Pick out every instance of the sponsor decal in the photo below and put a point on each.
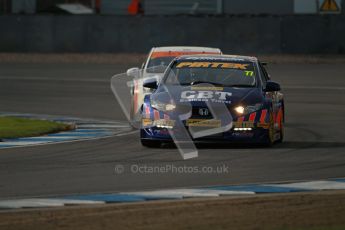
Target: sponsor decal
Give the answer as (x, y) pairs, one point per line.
(263, 125)
(243, 124)
(213, 96)
(147, 122)
(164, 122)
(160, 122)
(177, 53)
(207, 88)
(203, 123)
(214, 58)
(221, 65)
(243, 134)
(249, 73)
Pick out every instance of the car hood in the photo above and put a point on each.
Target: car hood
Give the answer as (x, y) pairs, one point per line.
(198, 96)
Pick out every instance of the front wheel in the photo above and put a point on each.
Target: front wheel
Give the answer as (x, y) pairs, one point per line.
(281, 131)
(269, 140)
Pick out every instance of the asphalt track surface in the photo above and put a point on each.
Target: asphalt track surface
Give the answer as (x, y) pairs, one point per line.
(314, 146)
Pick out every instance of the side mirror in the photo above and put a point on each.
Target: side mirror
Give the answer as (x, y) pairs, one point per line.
(151, 84)
(272, 86)
(133, 72)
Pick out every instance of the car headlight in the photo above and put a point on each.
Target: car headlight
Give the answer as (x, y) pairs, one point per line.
(162, 106)
(147, 90)
(239, 109)
(242, 110)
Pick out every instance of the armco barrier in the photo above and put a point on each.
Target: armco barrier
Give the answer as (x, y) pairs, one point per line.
(281, 7)
(248, 35)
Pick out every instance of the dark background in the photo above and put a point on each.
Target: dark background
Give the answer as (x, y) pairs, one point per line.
(246, 27)
(275, 34)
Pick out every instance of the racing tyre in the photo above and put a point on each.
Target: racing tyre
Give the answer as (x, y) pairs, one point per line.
(270, 133)
(150, 143)
(281, 131)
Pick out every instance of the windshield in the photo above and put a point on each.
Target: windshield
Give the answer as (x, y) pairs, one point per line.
(159, 64)
(219, 73)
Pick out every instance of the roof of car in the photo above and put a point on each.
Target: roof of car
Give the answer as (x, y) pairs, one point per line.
(185, 49)
(217, 57)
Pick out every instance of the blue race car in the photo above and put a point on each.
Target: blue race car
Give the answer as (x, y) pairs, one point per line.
(224, 98)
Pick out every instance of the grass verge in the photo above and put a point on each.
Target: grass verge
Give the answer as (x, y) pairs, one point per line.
(14, 127)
